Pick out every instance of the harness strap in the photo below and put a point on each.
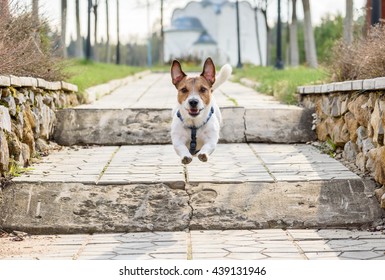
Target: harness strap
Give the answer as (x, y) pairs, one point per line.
(194, 129)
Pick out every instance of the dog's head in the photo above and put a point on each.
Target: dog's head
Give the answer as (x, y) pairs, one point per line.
(194, 93)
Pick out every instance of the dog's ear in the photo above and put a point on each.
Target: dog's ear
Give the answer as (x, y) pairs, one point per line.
(209, 71)
(176, 72)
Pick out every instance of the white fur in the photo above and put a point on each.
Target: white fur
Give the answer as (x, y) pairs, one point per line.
(208, 134)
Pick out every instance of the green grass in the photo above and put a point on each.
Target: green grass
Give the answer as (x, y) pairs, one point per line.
(282, 84)
(86, 74)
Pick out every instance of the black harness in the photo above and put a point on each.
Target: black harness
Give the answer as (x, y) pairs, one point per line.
(194, 129)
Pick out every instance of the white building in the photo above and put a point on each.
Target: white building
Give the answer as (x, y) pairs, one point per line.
(209, 28)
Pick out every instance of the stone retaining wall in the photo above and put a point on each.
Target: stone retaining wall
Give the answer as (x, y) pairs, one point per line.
(27, 116)
(351, 114)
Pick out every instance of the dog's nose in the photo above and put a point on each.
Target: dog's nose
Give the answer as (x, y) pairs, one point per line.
(193, 103)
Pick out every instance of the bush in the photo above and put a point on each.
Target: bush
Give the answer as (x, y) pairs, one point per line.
(25, 48)
(364, 59)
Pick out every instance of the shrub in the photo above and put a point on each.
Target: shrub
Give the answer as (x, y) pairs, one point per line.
(25, 48)
(364, 59)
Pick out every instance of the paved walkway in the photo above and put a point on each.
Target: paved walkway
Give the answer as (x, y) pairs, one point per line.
(230, 163)
(157, 91)
(274, 244)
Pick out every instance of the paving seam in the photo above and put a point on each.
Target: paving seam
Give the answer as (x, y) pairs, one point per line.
(189, 246)
(300, 251)
(146, 90)
(82, 247)
(107, 165)
(231, 99)
(262, 162)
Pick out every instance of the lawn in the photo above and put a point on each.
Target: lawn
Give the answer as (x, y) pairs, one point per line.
(86, 74)
(282, 84)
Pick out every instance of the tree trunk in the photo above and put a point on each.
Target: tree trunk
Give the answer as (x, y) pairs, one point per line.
(263, 7)
(117, 34)
(348, 23)
(88, 41)
(95, 8)
(310, 48)
(108, 51)
(35, 9)
(161, 44)
(79, 39)
(64, 27)
(4, 8)
(294, 51)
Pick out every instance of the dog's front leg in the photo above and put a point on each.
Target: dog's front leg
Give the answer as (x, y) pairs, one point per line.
(206, 150)
(183, 152)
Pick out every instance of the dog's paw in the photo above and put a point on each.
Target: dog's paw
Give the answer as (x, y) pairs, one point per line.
(203, 157)
(186, 160)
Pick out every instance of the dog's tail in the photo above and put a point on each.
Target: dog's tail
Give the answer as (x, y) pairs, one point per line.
(222, 76)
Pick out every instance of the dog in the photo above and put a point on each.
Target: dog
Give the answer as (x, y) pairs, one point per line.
(196, 118)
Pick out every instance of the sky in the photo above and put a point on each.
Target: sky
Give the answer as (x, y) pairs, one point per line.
(136, 19)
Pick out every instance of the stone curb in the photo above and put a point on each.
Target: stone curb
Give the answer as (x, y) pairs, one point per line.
(96, 92)
(36, 208)
(368, 84)
(15, 81)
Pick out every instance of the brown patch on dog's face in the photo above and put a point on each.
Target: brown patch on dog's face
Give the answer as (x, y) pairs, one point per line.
(198, 85)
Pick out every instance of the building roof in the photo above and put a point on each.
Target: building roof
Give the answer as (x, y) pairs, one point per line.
(205, 39)
(186, 23)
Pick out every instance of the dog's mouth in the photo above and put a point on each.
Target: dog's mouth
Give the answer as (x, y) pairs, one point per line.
(194, 112)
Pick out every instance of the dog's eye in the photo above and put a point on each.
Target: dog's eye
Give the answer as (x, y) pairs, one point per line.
(184, 90)
(202, 90)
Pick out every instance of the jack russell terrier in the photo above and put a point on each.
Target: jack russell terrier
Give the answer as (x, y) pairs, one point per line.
(196, 118)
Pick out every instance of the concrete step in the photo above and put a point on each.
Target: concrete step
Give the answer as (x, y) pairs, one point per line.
(145, 188)
(140, 113)
(152, 126)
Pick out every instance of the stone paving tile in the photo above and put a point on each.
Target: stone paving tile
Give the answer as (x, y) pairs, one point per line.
(236, 244)
(82, 165)
(361, 255)
(246, 256)
(323, 256)
(229, 163)
(147, 164)
(330, 234)
(284, 256)
(300, 163)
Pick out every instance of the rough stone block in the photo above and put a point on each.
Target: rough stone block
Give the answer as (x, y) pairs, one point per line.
(296, 205)
(357, 84)
(317, 89)
(308, 89)
(28, 82)
(5, 119)
(4, 153)
(41, 83)
(379, 83)
(343, 86)
(69, 87)
(330, 87)
(5, 81)
(280, 125)
(300, 89)
(54, 85)
(324, 88)
(113, 126)
(233, 126)
(15, 81)
(368, 84)
(78, 207)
